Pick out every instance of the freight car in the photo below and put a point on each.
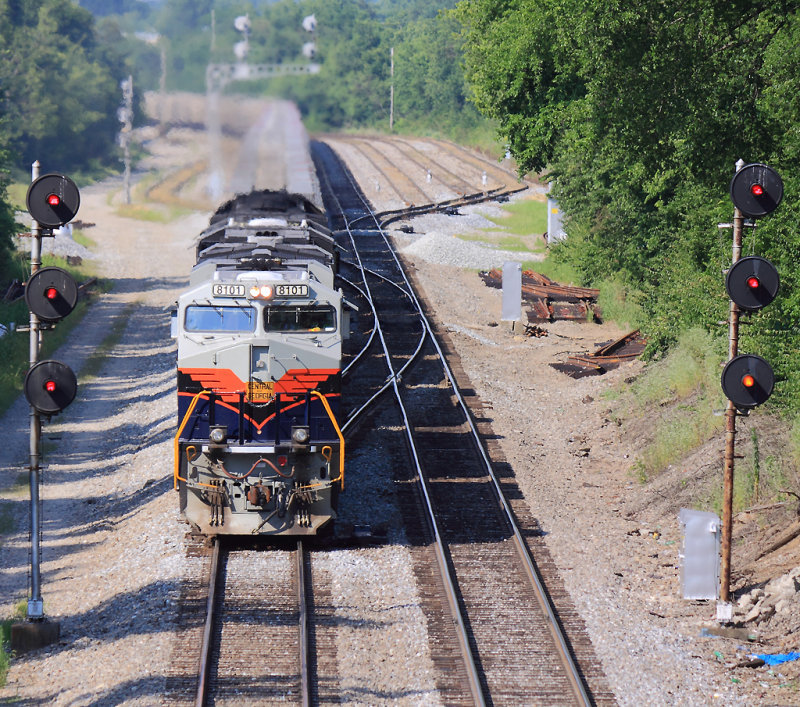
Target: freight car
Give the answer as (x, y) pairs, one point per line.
(258, 449)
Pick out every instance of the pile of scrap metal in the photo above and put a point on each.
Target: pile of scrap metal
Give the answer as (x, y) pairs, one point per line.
(605, 358)
(533, 330)
(548, 300)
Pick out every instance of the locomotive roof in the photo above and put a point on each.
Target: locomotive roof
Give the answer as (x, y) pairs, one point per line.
(266, 230)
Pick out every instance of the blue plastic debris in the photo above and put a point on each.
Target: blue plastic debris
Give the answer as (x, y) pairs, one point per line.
(776, 658)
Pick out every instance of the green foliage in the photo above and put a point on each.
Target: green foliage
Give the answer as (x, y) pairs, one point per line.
(59, 94)
(638, 113)
(688, 381)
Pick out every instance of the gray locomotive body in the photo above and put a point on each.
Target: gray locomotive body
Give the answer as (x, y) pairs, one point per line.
(258, 449)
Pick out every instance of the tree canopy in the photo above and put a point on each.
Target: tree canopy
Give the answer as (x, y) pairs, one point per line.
(638, 114)
(59, 92)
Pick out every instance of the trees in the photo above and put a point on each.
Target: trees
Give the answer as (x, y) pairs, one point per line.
(58, 96)
(639, 112)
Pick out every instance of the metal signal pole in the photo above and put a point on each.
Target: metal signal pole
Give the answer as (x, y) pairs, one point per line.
(730, 422)
(35, 605)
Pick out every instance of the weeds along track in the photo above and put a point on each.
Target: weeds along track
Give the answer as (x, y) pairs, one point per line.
(496, 633)
(168, 188)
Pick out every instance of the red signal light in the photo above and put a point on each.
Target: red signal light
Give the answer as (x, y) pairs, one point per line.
(53, 199)
(50, 386)
(748, 381)
(51, 293)
(753, 282)
(757, 190)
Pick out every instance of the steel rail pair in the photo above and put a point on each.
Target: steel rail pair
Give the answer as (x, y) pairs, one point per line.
(560, 640)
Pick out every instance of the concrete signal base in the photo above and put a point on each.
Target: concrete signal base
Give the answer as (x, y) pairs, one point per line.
(32, 635)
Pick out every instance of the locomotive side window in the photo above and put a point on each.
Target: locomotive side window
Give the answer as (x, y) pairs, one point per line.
(199, 318)
(300, 318)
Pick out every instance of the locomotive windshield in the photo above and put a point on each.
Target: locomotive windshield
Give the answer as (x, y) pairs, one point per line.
(299, 318)
(212, 318)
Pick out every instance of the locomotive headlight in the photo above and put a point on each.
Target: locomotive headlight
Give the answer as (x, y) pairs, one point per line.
(218, 434)
(255, 291)
(266, 291)
(300, 435)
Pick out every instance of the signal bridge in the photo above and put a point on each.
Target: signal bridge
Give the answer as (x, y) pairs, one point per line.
(220, 75)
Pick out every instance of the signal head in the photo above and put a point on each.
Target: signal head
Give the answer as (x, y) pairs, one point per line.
(756, 190)
(747, 381)
(752, 283)
(50, 386)
(53, 200)
(51, 294)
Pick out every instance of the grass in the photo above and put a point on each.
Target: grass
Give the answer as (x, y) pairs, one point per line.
(514, 243)
(95, 361)
(16, 194)
(82, 239)
(560, 272)
(5, 639)
(140, 212)
(687, 380)
(618, 304)
(681, 399)
(525, 218)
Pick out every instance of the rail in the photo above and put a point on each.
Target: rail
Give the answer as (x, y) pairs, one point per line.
(571, 668)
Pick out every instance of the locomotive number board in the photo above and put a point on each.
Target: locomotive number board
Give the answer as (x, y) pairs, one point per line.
(235, 290)
(227, 290)
(291, 290)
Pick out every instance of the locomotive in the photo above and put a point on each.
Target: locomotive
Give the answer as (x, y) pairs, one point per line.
(258, 449)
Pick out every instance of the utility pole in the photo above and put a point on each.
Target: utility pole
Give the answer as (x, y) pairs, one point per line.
(391, 89)
(747, 380)
(125, 115)
(51, 294)
(35, 607)
(213, 30)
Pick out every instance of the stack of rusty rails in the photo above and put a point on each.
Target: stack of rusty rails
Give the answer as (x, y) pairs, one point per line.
(548, 300)
(607, 357)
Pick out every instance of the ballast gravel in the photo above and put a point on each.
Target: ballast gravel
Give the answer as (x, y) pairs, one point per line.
(113, 544)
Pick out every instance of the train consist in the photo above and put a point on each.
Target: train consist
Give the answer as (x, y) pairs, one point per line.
(258, 449)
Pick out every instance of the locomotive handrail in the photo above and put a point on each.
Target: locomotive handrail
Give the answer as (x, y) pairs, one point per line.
(176, 477)
(338, 433)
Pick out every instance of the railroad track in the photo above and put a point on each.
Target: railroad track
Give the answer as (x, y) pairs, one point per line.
(503, 640)
(254, 645)
(465, 192)
(256, 598)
